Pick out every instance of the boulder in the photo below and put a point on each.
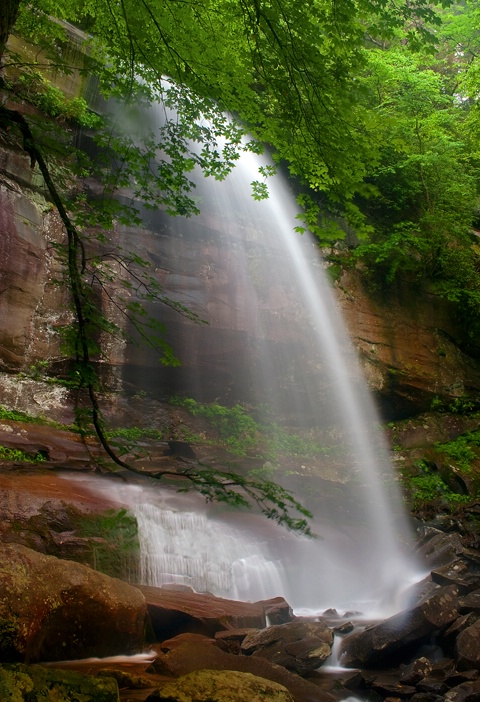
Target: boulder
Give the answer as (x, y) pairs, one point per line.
(32, 683)
(278, 611)
(173, 612)
(467, 649)
(457, 573)
(298, 646)
(393, 639)
(189, 657)
(436, 548)
(470, 603)
(466, 692)
(52, 609)
(220, 686)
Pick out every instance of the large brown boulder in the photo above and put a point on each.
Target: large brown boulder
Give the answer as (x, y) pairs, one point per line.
(394, 638)
(467, 648)
(219, 686)
(52, 609)
(297, 646)
(175, 612)
(190, 656)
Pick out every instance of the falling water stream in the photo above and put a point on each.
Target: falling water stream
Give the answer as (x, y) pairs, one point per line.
(298, 362)
(289, 353)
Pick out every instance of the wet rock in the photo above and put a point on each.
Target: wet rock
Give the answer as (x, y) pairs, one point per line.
(466, 692)
(189, 657)
(457, 678)
(180, 639)
(470, 603)
(25, 683)
(231, 640)
(298, 646)
(356, 681)
(395, 690)
(436, 548)
(394, 638)
(344, 628)
(173, 612)
(448, 637)
(432, 684)
(467, 649)
(415, 671)
(52, 609)
(219, 686)
(277, 610)
(457, 573)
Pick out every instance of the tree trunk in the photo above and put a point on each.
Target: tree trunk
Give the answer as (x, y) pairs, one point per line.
(8, 17)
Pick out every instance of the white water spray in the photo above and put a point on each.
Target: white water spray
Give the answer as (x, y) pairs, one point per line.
(288, 350)
(300, 362)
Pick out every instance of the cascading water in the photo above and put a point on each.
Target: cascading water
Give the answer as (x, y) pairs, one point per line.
(276, 341)
(290, 353)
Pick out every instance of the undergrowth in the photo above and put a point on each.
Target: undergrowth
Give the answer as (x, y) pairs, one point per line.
(242, 434)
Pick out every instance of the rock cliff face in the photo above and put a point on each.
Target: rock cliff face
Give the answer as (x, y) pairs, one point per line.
(412, 348)
(410, 345)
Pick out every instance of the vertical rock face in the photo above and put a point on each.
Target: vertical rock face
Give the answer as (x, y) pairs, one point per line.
(30, 305)
(410, 346)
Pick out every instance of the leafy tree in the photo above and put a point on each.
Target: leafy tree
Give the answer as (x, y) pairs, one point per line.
(424, 189)
(282, 71)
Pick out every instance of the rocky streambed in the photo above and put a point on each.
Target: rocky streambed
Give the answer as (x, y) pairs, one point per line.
(174, 644)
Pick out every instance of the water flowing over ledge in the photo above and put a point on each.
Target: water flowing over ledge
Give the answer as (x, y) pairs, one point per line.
(291, 355)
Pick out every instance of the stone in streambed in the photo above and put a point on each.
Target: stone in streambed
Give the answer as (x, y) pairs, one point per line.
(221, 686)
(467, 648)
(33, 683)
(298, 646)
(53, 610)
(189, 657)
(173, 613)
(394, 638)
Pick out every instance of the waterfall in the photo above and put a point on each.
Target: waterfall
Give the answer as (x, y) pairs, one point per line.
(284, 346)
(276, 342)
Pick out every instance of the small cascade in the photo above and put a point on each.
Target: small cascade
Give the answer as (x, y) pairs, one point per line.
(205, 554)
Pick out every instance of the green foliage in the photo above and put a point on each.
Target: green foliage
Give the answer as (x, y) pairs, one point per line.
(237, 429)
(117, 553)
(427, 487)
(34, 87)
(242, 434)
(463, 450)
(240, 492)
(17, 455)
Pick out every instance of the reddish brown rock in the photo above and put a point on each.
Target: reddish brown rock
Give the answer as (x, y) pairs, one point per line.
(467, 649)
(298, 646)
(54, 610)
(277, 610)
(189, 657)
(410, 344)
(383, 644)
(174, 612)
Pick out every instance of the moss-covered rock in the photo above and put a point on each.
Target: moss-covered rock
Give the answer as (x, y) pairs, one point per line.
(221, 686)
(24, 683)
(51, 609)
